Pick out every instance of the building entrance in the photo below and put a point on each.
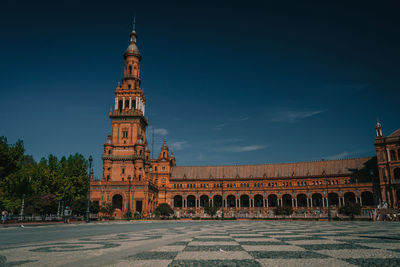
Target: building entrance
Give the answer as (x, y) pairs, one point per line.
(139, 206)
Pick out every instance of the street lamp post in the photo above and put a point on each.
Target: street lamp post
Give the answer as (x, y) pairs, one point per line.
(327, 198)
(222, 188)
(22, 208)
(128, 215)
(88, 203)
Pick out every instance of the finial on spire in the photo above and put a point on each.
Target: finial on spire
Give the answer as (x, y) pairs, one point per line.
(134, 23)
(378, 128)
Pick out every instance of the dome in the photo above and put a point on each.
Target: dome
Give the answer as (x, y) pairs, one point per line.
(132, 49)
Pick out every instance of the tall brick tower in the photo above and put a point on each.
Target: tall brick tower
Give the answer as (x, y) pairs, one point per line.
(388, 154)
(126, 180)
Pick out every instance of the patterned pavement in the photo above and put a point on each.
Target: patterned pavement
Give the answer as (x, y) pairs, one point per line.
(240, 243)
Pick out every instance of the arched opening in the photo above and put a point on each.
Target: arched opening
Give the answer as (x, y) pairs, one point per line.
(393, 155)
(120, 105)
(130, 69)
(333, 199)
(272, 201)
(191, 201)
(117, 202)
(349, 197)
(133, 104)
(398, 197)
(178, 201)
(231, 201)
(244, 201)
(217, 199)
(317, 200)
(287, 200)
(203, 201)
(301, 200)
(126, 103)
(367, 198)
(396, 173)
(258, 201)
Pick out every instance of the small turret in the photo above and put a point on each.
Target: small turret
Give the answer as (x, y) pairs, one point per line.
(164, 150)
(378, 129)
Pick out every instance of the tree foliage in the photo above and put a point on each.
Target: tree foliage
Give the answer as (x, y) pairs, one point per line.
(43, 183)
(107, 209)
(210, 210)
(283, 210)
(164, 210)
(350, 209)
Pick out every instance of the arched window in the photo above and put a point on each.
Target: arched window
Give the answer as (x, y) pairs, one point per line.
(120, 105)
(217, 199)
(316, 200)
(163, 154)
(126, 103)
(191, 201)
(204, 201)
(301, 200)
(396, 173)
(133, 104)
(367, 198)
(258, 201)
(130, 69)
(287, 200)
(109, 152)
(272, 200)
(231, 201)
(178, 201)
(117, 202)
(393, 155)
(244, 201)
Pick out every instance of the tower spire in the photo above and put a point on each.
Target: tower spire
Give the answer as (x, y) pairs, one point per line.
(134, 23)
(378, 128)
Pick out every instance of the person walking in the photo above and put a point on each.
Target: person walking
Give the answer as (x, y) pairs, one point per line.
(67, 214)
(4, 215)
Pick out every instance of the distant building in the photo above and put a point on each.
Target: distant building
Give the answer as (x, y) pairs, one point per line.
(133, 181)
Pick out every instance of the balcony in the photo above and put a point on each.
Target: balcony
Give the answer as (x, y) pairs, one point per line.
(122, 158)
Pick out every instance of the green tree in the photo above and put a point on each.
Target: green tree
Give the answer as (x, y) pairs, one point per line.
(210, 209)
(164, 210)
(65, 179)
(107, 210)
(283, 210)
(350, 209)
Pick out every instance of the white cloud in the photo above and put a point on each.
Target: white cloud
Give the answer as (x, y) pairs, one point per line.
(241, 118)
(292, 116)
(179, 145)
(231, 121)
(220, 126)
(342, 155)
(241, 148)
(160, 131)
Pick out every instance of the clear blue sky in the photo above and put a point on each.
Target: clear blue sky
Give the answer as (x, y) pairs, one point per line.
(225, 83)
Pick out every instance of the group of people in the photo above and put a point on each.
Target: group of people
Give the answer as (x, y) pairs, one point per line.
(67, 215)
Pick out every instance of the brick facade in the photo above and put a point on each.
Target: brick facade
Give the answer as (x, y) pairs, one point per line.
(131, 180)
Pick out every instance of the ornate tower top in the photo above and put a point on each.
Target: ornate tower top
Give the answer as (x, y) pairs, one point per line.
(132, 49)
(378, 129)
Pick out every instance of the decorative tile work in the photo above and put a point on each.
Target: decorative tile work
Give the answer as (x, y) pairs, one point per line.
(243, 243)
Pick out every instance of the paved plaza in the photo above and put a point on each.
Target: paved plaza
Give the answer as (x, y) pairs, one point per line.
(195, 243)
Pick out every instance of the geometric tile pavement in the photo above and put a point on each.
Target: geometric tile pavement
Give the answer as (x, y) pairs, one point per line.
(237, 243)
(280, 244)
